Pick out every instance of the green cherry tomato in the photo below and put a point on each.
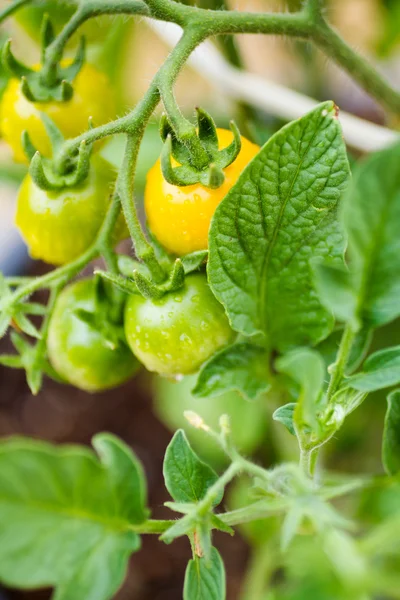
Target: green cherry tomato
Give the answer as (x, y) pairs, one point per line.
(174, 335)
(58, 226)
(89, 357)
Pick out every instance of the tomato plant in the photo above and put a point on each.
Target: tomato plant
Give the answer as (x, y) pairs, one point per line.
(265, 288)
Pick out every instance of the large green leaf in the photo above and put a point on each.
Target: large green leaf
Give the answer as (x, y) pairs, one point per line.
(281, 213)
(371, 218)
(66, 516)
(205, 579)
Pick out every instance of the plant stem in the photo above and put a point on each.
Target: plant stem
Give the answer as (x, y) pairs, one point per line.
(338, 368)
(263, 562)
(12, 8)
(66, 272)
(144, 250)
(356, 65)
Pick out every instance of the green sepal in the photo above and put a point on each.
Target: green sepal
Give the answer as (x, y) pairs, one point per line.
(54, 84)
(154, 291)
(209, 173)
(46, 174)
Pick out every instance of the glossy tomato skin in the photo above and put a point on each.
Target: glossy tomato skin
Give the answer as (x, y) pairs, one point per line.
(80, 353)
(93, 97)
(59, 225)
(174, 335)
(180, 217)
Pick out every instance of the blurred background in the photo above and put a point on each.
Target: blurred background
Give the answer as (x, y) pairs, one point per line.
(146, 411)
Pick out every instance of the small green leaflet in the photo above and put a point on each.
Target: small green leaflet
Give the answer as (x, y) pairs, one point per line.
(205, 579)
(282, 213)
(285, 414)
(242, 367)
(335, 289)
(371, 218)
(307, 368)
(187, 478)
(380, 370)
(66, 516)
(391, 435)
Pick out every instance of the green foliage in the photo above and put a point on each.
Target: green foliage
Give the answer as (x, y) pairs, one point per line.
(205, 580)
(307, 368)
(371, 216)
(391, 435)
(280, 214)
(380, 370)
(67, 517)
(187, 478)
(242, 367)
(285, 415)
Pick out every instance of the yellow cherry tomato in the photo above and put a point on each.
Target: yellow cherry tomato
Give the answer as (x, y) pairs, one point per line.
(93, 97)
(180, 217)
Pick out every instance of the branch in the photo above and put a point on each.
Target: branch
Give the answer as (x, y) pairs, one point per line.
(269, 96)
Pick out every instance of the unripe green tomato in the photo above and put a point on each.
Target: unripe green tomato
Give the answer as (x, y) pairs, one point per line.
(30, 19)
(59, 225)
(175, 335)
(248, 420)
(83, 354)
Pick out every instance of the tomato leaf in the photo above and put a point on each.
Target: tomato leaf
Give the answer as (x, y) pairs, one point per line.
(391, 435)
(205, 579)
(336, 291)
(380, 370)
(66, 516)
(187, 478)
(285, 415)
(371, 216)
(307, 368)
(242, 367)
(281, 213)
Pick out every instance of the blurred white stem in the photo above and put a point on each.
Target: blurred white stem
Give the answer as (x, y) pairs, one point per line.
(269, 96)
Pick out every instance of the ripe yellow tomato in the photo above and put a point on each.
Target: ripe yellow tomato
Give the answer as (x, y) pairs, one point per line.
(93, 97)
(180, 217)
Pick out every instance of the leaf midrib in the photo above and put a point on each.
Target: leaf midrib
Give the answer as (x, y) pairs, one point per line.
(266, 262)
(115, 525)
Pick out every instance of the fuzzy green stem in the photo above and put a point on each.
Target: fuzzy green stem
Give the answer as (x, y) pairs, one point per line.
(88, 10)
(262, 565)
(144, 250)
(328, 40)
(338, 368)
(12, 8)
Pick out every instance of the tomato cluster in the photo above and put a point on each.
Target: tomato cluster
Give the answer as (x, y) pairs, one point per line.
(171, 335)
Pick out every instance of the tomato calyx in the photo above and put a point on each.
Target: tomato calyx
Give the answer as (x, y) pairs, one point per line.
(53, 82)
(135, 277)
(46, 172)
(107, 316)
(206, 169)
